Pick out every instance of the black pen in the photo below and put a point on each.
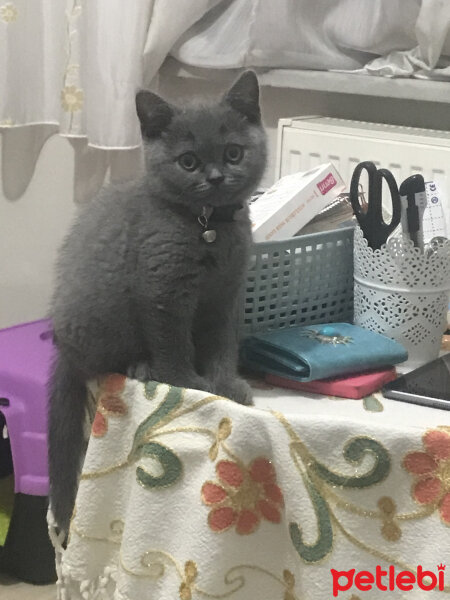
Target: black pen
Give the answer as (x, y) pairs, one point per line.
(414, 201)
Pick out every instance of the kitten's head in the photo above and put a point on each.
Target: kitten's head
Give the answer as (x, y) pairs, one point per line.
(198, 155)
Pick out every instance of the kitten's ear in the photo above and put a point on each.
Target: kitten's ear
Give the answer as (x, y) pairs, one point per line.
(154, 113)
(244, 96)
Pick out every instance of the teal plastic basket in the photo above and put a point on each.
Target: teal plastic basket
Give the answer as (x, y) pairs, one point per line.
(302, 280)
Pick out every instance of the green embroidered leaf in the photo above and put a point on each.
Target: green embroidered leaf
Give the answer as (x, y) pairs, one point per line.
(372, 404)
(171, 402)
(354, 453)
(142, 446)
(314, 552)
(169, 461)
(150, 389)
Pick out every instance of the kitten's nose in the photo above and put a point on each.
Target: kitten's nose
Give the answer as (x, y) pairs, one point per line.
(215, 177)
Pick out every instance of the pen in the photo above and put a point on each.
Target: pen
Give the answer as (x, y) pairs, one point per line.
(414, 201)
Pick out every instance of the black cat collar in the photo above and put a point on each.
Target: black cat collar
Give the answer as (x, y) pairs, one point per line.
(216, 214)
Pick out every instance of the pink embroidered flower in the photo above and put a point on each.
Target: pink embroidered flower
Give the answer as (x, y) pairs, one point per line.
(432, 471)
(110, 403)
(243, 496)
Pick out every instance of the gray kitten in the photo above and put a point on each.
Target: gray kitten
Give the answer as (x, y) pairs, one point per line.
(141, 288)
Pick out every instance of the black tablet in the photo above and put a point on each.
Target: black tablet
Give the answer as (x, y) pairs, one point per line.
(428, 385)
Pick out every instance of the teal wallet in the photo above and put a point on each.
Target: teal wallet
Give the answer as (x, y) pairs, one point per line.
(320, 351)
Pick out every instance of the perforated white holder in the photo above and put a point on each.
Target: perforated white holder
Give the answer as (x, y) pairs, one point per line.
(403, 294)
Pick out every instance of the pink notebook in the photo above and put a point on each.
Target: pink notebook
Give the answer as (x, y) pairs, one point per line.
(354, 386)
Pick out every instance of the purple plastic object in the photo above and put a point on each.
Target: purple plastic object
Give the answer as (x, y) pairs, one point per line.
(25, 356)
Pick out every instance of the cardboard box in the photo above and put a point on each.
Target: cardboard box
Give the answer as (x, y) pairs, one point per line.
(293, 201)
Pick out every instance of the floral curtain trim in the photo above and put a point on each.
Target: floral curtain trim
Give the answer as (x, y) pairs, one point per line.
(8, 13)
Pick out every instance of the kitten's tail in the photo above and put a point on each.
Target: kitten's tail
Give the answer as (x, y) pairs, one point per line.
(67, 411)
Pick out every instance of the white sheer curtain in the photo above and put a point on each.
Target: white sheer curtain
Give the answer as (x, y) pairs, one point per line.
(73, 67)
(429, 56)
(393, 38)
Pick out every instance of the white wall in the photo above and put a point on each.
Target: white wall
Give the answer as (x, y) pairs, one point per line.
(32, 227)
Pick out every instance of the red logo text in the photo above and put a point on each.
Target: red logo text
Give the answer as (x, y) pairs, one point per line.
(388, 580)
(326, 184)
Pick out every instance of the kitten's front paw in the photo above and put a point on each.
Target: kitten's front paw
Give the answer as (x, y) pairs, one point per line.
(235, 389)
(197, 383)
(140, 371)
(186, 380)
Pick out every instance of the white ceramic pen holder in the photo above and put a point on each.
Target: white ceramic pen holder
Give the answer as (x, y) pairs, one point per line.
(403, 294)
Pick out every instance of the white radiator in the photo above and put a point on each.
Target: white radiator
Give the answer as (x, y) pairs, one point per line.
(304, 142)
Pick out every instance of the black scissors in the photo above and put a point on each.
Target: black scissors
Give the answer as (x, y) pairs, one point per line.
(374, 227)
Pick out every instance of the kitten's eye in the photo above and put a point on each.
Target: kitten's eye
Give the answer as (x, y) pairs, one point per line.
(188, 161)
(233, 153)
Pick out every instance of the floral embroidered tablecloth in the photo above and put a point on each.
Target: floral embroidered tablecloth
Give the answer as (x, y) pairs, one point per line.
(190, 496)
